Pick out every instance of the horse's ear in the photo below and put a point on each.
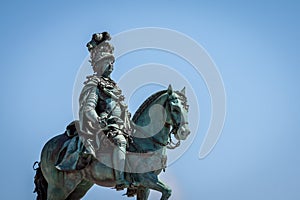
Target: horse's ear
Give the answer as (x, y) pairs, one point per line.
(183, 91)
(170, 90)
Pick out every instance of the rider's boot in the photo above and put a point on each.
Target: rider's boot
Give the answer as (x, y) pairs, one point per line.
(119, 155)
(121, 182)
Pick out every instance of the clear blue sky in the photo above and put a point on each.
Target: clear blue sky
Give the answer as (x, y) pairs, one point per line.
(255, 45)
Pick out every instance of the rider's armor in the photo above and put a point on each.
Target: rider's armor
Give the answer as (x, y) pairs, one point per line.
(102, 111)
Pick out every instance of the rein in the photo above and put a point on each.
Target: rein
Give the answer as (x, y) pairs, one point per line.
(171, 144)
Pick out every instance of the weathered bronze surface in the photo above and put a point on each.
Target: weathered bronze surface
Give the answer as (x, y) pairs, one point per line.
(106, 147)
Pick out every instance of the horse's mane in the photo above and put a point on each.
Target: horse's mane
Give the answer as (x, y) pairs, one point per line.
(146, 104)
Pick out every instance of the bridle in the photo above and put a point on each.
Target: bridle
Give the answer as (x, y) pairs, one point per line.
(174, 127)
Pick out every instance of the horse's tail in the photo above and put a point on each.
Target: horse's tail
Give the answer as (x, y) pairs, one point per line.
(40, 183)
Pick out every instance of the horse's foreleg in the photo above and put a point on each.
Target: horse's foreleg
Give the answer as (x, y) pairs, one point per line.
(151, 181)
(165, 190)
(142, 193)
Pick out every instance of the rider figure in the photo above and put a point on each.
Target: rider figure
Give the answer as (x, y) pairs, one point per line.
(102, 107)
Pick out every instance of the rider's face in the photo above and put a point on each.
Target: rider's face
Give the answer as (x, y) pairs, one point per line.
(108, 67)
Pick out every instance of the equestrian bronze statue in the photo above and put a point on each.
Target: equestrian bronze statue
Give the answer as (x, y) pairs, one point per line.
(107, 146)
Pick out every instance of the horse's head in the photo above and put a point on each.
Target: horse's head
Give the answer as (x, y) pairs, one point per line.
(178, 113)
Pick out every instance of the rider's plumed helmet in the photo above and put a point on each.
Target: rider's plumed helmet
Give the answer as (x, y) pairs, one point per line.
(100, 49)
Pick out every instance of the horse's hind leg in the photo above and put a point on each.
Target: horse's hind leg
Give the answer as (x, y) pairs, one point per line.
(142, 193)
(80, 190)
(62, 184)
(56, 193)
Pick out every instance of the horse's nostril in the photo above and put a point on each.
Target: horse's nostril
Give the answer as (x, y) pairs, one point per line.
(188, 132)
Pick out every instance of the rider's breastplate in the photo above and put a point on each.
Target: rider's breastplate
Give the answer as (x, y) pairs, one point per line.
(109, 106)
(108, 101)
(113, 107)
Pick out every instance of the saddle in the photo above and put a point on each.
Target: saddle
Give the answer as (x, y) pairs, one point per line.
(73, 155)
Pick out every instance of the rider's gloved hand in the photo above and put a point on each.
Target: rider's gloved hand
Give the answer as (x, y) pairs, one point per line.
(103, 120)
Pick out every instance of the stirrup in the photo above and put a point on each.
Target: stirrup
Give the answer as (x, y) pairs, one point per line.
(127, 185)
(122, 185)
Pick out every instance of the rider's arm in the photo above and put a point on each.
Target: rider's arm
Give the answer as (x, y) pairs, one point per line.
(89, 108)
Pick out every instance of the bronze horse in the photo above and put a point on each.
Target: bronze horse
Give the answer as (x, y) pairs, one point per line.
(148, 151)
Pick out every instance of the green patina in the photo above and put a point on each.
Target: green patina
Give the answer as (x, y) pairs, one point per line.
(61, 185)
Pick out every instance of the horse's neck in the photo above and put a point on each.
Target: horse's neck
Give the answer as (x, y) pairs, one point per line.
(155, 134)
(145, 116)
